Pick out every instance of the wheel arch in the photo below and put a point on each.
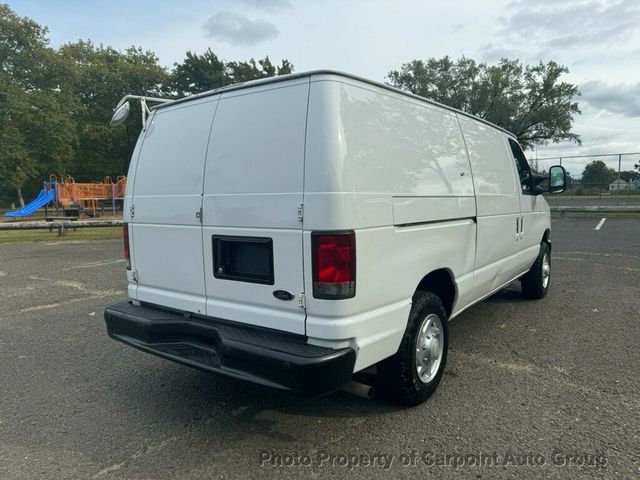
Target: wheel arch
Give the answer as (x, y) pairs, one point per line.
(440, 282)
(546, 237)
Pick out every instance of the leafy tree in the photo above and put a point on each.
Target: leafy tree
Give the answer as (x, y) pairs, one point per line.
(36, 128)
(597, 173)
(23, 50)
(530, 101)
(246, 71)
(200, 73)
(99, 77)
(629, 175)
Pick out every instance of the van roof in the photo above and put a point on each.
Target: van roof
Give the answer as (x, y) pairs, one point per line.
(292, 76)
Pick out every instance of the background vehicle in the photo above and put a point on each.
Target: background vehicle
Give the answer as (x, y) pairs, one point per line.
(318, 224)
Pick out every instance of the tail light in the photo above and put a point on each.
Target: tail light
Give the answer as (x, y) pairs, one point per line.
(125, 238)
(334, 264)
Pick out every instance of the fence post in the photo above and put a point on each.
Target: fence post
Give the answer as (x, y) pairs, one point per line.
(619, 166)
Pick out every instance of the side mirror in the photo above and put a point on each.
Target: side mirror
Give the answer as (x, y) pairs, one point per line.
(120, 115)
(557, 179)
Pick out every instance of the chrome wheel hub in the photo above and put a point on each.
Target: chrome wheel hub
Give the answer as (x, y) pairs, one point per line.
(429, 348)
(546, 270)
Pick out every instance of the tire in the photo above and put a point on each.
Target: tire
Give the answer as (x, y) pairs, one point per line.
(401, 378)
(535, 283)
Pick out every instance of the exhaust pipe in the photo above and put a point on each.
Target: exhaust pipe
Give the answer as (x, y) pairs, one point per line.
(359, 389)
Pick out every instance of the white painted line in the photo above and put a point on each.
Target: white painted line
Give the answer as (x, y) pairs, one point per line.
(599, 226)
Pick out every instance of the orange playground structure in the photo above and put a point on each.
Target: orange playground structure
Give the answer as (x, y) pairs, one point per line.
(89, 197)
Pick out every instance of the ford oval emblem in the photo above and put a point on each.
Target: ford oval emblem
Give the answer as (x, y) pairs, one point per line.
(283, 295)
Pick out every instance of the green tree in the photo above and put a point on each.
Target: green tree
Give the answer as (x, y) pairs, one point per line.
(37, 132)
(597, 173)
(24, 50)
(200, 73)
(245, 71)
(99, 77)
(530, 101)
(629, 175)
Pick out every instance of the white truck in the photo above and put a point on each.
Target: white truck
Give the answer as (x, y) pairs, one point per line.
(296, 230)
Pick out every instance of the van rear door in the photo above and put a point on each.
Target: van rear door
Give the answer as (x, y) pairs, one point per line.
(165, 229)
(253, 189)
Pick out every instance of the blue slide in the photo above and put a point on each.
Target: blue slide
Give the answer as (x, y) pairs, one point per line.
(43, 198)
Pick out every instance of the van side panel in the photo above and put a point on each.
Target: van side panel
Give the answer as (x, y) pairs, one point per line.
(167, 194)
(253, 188)
(498, 204)
(395, 170)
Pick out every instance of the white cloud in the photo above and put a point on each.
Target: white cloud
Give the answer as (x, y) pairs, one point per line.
(238, 29)
(623, 99)
(570, 23)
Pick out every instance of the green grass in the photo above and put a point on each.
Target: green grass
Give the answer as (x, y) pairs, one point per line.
(568, 196)
(595, 214)
(20, 236)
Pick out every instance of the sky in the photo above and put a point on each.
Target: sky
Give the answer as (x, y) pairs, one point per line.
(598, 40)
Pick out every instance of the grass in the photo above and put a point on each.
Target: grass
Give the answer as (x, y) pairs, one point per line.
(568, 196)
(595, 214)
(20, 236)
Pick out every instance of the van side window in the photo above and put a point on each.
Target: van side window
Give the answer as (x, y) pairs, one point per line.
(524, 171)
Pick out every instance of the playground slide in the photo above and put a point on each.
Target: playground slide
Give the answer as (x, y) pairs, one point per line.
(43, 198)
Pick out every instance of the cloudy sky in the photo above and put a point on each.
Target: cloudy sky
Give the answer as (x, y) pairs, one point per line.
(599, 40)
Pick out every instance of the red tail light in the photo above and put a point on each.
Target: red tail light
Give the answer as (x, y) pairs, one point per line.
(125, 237)
(334, 264)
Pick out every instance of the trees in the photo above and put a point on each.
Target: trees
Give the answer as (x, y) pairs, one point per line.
(37, 132)
(199, 73)
(98, 77)
(531, 101)
(629, 175)
(246, 71)
(597, 173)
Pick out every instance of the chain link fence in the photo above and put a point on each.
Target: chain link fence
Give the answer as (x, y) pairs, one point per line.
(612, 176)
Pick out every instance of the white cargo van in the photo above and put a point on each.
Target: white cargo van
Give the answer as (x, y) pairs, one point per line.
(296, 230)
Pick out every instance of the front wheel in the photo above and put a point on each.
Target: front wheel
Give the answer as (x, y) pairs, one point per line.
(413, 373)
(535, 283)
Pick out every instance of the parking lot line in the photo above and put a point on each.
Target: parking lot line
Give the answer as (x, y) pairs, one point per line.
(600, 223)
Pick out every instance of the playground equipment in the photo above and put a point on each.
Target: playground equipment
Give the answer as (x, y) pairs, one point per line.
(44, 198)
(75, 198)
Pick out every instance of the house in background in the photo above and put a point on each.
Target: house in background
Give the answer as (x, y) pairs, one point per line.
(618, 184)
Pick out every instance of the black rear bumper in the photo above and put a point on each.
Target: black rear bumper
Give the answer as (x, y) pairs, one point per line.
(267, 357)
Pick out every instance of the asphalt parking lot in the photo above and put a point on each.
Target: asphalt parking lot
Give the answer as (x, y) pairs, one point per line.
(549, 388)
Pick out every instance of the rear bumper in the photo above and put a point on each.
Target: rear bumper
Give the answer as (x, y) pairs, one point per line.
(267, 357)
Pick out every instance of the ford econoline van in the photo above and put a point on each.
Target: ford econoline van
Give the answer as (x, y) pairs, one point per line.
(297, 230)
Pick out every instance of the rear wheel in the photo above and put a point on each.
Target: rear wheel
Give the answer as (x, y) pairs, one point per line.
(414, 372)
(535, 283)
